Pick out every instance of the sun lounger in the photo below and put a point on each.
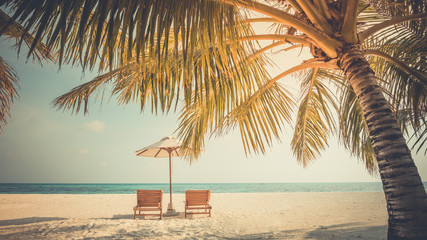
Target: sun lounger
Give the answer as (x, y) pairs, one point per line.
(197, 202)
(148, 201)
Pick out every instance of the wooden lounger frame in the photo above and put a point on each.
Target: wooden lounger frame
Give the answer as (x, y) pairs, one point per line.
(196, 201)
(148, 201)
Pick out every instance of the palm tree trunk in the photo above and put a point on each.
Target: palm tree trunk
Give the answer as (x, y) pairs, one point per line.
(404, 192)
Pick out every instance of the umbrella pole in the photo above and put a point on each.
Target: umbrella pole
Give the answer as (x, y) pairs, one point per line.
(171, 210)
(170, 178)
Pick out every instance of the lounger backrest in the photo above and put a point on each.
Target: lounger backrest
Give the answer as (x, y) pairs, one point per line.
(149, 198)
(197, 197)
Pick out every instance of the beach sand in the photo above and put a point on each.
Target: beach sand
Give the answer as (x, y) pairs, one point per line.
(356, 215)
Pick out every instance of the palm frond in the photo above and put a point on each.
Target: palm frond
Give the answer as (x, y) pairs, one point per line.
(402, 72)
(418, 133)
(8, 92)
(259, 117)
(8, 77)
(421, 138)
(166, 79)
(79, 96)
(398, 8)
(353, 130)
(314, 120)
(369, 18)
(407, 84)
(222, 102)
(109, 32)
(13, 30)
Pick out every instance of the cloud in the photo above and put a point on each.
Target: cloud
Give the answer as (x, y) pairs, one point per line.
(83, 151)
(95, 126)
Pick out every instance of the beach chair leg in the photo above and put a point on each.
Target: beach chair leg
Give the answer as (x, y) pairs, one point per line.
(209, 213)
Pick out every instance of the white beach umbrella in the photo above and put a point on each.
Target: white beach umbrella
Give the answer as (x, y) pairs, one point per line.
(167, 147)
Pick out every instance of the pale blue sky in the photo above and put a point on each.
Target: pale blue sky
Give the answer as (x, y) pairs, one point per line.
(42, 145)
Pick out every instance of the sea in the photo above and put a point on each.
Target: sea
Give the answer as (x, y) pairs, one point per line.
(130, 188)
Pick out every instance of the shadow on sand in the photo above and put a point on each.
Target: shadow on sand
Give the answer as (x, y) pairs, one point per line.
(341, 231)
(23, 221)
(347, 231)
(130, 216)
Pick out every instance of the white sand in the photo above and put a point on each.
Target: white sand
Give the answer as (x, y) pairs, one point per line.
(234, 216)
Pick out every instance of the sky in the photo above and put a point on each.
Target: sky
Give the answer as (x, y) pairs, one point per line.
(42, 145)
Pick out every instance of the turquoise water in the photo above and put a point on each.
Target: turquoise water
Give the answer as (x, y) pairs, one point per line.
(59, 188)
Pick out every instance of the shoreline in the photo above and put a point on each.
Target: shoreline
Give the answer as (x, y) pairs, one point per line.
(295, 215)
(116, 188)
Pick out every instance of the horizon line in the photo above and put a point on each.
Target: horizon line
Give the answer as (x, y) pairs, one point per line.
(184, 182)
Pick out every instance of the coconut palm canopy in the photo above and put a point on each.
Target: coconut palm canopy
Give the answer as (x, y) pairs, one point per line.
(178, 48)
(365, 82)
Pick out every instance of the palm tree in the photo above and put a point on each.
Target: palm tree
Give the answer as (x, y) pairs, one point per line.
(203, 58)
